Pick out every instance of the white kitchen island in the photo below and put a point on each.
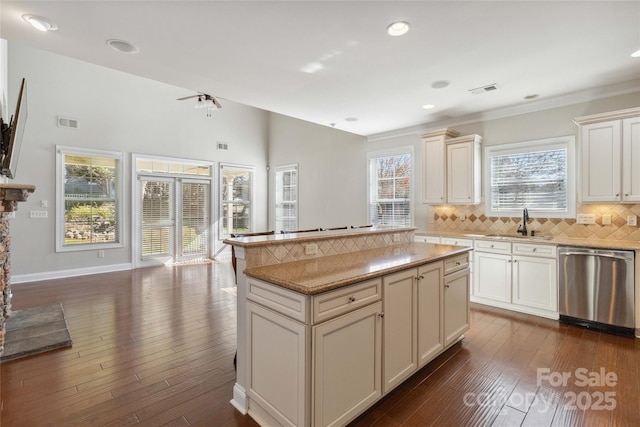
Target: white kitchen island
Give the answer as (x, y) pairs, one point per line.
(323, 337)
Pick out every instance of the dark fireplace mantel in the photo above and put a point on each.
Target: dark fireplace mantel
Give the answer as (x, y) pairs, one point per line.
(10, 196)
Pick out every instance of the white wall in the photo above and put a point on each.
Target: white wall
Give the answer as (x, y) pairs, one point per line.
(332, 171)
(120, 112)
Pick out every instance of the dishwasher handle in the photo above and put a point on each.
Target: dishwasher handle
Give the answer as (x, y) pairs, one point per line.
(622, 257)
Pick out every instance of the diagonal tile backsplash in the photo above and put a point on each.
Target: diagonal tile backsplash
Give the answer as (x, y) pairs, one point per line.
(448, 218)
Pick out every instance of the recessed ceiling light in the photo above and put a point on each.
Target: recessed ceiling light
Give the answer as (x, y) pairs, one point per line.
(398, 28)
(636, 54)
(122, 46)
(351, 119)
(440, 84)
(428, 106)
(532, 96)
(40, 23)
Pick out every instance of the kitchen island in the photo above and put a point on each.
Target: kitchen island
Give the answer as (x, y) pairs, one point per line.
(324, 336)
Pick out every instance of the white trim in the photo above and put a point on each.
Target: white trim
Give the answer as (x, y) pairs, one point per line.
(286, 168)
(388, 152)
(568, 142)
(61, 150)
(61, 274)
(218, 217)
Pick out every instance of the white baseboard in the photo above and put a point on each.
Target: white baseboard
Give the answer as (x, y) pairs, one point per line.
(61, 274)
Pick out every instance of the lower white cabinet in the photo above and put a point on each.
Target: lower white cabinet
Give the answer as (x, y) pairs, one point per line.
(347, 365)
(516, 276)
(322, 360)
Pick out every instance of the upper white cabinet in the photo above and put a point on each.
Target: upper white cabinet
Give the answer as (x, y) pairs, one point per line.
(434, 165)
(463, 170)
(610, 150)
(451, 168)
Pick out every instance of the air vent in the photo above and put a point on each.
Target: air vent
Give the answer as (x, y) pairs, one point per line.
(483, 89)
(223, 146)
(67, 122)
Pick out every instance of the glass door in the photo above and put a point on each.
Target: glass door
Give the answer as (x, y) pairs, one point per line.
(194, 219)
(157, 200)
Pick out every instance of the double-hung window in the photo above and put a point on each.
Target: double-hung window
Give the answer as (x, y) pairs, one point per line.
(286, 198)
(537, 175)
(236, 194)
(391, 188)
(89, 193)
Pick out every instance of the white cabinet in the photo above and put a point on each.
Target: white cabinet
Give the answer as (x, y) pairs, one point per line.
(518, 276)
(456, 306)
(347, 365)
(463, 170)
(427, 239)
(610, 151)
(430, 316)
(434, 165)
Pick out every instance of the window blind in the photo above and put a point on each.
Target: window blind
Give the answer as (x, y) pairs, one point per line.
(390, 190)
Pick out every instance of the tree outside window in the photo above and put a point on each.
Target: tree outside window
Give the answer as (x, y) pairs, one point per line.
(390, 190)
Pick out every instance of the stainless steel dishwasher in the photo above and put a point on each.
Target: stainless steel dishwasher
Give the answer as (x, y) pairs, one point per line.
(596, 288)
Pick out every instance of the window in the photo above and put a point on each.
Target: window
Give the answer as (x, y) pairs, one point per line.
(537, 175)
(89, 189)
(237, 194)
(286, 197)
(390, 189)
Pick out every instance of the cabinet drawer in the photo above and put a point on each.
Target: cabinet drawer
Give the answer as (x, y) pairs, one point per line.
(494, 246)
(334, 303)
(456, 241)
(547, 251)
(284, 301)
(456, 263)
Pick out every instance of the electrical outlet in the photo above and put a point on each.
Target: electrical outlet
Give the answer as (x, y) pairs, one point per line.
(311, 249)
(38, 214)
(606, 219)
(100, 254)
(463, 216)
(586, 218)
(396, 237)
(632, 220)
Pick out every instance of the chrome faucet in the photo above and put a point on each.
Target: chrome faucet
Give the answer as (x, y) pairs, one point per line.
(522, 229)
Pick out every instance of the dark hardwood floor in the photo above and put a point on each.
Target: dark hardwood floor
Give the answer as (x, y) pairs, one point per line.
(155, 347)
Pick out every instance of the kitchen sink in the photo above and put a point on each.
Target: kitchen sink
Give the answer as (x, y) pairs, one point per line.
(518, 236)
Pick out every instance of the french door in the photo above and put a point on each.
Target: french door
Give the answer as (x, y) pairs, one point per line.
(175, 218)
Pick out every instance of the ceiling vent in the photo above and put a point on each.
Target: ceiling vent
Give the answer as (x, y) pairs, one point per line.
(484, 89)
(223, 146)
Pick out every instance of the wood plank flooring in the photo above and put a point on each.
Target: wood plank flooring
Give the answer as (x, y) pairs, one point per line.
(155, 347)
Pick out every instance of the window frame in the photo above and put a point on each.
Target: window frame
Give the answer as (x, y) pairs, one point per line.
(282, 169)
(120, 199)
(399, 151)
(221, 202)
(561, 142)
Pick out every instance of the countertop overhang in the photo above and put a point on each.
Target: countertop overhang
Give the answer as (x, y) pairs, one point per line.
(558, 241)
(316, 275)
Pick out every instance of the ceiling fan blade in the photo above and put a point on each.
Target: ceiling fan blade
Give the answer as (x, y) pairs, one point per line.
(215, 101)
(187, 97)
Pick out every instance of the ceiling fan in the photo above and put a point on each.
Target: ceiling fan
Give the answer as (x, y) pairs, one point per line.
(204, 101)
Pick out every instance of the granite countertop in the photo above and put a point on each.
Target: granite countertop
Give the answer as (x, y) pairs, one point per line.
(321, 274)
(568, 241)
(279, 238)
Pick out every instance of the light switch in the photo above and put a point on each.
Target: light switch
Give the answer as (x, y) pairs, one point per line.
(632, 220)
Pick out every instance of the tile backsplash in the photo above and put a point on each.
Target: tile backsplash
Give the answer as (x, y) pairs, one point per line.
(448, 218)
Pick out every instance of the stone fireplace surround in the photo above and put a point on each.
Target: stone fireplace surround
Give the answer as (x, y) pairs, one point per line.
(10, 196)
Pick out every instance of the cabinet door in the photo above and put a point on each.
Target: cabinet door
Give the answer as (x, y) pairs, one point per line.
(433, 169)
(399, 329)
(347, 365)
(492, 276)
(277, 365)
(456, 305)
(535, 282)
(601, 151)
(430, 300)
(460, 173)
(631, 160)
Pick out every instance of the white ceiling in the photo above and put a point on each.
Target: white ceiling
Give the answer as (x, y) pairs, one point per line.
(253, 52)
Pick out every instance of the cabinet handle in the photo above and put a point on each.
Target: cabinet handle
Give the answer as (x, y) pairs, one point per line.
(457, 262)
(617, 194)
(534, 249)
(626, 194)
(492, 246)
(352, 299)
(509, 261)
(446, 286)
(381, 315)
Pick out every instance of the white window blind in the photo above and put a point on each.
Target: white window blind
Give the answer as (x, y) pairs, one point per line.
(390, 190)
(157, 218)
(236, 194)
(195, 218)
(286, 197)
(536, 175)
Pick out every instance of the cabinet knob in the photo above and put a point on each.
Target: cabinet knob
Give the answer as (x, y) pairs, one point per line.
(446, 286)
(535, 249)
(381, 315)
(492, 246)
(352, 299)
(617, 194)
(626, 194)
(457, 262)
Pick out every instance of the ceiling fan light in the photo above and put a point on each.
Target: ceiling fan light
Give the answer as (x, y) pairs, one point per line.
(40, 23)
(398, 28)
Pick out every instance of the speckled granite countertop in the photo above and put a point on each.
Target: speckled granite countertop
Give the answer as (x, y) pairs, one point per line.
(568, 241)
(321, 274)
